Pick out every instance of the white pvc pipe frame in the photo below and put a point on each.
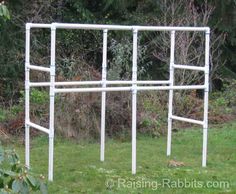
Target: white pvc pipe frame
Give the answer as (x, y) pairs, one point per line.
(169, 85)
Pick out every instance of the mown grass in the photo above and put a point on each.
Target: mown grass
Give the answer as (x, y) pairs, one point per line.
(78, 169)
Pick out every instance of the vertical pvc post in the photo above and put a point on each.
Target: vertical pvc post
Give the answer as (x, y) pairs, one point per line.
(206, 91)
(134, 98)
(103, 105)
(52, 96)
(170, 105)
(27, 97)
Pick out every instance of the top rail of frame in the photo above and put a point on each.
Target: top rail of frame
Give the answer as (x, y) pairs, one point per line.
(115, 27)
(37, 25)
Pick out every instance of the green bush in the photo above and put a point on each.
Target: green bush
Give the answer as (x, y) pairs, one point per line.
(4, 13)
(2, 115)
(224, 101)
(15, 177)
(7, 114)
(39, 96)
(121, 63)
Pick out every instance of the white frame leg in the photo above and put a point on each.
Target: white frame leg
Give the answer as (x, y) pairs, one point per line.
(134, 99)
(171, 92)
(103, 104)
(27, 97)
(206, 92)
(52, 103)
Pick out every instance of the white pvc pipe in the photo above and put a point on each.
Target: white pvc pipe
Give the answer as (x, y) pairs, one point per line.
(103, 103)
(206, 91)
(91, 26)
(134, 98)
(187, 120)
(52, 96)
(73, 83)
(38, 68)
(43, 129)
(189, 67)
(34, 25)
(138, 82)
(110, 89)
(107, 82)
(27, 98)
(128, 88)
(170, 28)
(171, 92)
(39, 84)
(116, 27)
(191, 87)
(122, 27)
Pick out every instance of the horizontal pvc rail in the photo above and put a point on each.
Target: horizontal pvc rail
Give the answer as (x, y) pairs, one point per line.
(40, 128)
(192, 87)
(121, 27)
(177, 66)
(138, 82)
(35, 25)
(110, 89)
(38, 68)
(39, 84)
(187, 120)
(116, 27)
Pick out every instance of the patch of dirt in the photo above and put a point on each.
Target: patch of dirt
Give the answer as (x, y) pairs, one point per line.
(174, 163)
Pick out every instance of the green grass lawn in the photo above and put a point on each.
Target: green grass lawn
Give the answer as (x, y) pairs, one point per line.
(78, 169)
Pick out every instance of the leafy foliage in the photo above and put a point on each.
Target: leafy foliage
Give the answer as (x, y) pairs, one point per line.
(224, 18)
(15, 177)
(121, 62)
(4, 13)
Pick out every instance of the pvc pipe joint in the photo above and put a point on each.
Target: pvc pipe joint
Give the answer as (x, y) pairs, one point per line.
(53, 26)
(208, 30)
(134, 89)
(28, 26)
(52, 70)
(135, 30)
